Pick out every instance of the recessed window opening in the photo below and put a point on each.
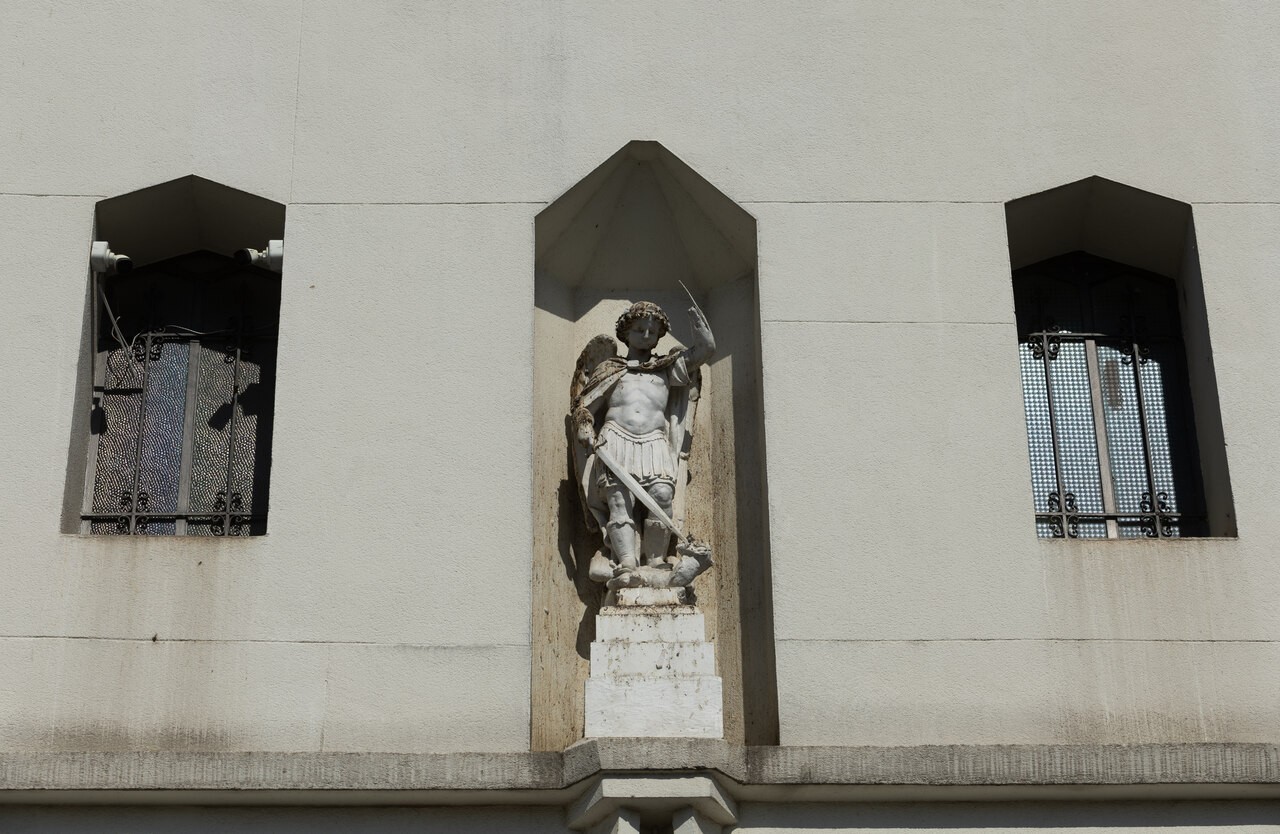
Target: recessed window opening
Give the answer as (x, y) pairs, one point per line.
(1124, 428)
(180, 370)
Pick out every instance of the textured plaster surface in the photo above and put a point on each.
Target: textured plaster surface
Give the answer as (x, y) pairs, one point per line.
(340, 629)
(890, 503)
(884, 262)
(850, 101)
(1029, 691)
(107, 98)
(121, 695)
(899, 512)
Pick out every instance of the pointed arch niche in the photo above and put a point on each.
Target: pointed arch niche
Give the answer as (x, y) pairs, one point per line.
(630, 231)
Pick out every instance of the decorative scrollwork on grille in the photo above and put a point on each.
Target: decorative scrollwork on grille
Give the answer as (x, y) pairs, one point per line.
(229, 352)
(1044, 345)
(1057, 504)
(1127, 351)
(1160, 504)
(135, 502)
(1134, 338)
(232, 521)
(147, 348)
(224, 502)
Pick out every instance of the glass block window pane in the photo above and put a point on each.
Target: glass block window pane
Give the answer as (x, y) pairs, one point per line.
(1073, 415)
(1124, 428)
(163, 413)
(1152, 373)
(115, 425)
(212, 425)
(1035, 400)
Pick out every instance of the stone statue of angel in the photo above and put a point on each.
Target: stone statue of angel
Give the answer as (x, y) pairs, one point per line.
(631, 424)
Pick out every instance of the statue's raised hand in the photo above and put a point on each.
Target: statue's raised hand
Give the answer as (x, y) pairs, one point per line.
(704, 343)
(698, 320)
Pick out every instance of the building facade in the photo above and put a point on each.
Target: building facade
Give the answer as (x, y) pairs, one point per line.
(988, 443)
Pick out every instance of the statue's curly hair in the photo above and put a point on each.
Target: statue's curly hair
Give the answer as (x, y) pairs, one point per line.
(637, 311)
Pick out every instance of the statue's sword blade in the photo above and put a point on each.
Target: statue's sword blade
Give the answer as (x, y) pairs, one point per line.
(639, 492)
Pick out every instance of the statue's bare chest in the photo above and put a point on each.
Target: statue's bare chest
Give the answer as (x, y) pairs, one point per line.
(643, 385)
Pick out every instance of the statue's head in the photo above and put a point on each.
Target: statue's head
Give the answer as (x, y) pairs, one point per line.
(639, 311)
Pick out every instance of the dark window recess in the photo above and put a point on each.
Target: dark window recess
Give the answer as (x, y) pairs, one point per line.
(184, 384)
(1108, 406)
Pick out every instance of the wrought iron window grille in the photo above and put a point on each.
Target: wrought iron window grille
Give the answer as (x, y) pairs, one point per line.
(181, 413)
(1107, 406)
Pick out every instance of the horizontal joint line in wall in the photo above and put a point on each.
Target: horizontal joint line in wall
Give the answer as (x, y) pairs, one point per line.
(1016, 640)
(421, 203)
(872, 202)
(390, 645)
(885, 321)
(60, 196)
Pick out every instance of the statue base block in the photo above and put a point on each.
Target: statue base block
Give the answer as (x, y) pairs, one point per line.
(653, 672)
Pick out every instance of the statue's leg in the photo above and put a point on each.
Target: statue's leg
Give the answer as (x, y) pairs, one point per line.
(621, 527)
(656, 534)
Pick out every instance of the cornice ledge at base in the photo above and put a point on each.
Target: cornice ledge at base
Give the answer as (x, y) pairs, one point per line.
(1219, 770)
(1017, 764)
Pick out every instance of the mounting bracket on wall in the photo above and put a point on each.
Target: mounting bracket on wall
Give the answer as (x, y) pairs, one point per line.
(103, 260)
(271, 258)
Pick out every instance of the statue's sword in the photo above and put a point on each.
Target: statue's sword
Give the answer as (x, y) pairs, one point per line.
(639, 492)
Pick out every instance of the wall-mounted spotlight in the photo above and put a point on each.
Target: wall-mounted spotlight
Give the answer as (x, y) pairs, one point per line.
(102, 259)
(271, 258)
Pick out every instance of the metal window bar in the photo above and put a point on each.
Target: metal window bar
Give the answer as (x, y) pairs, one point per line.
(1063, 517)
(135, 515)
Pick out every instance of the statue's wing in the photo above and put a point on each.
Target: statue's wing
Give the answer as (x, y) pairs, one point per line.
(599, 349)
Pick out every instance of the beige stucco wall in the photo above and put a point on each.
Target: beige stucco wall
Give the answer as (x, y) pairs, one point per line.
(388, 608)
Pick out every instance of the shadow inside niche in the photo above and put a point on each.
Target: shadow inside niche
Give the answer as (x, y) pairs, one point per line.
(576, 550)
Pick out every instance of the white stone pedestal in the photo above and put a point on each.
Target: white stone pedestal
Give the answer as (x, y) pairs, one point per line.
(653, 673)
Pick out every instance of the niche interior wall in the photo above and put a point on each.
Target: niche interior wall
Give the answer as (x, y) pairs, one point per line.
(632, 230)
